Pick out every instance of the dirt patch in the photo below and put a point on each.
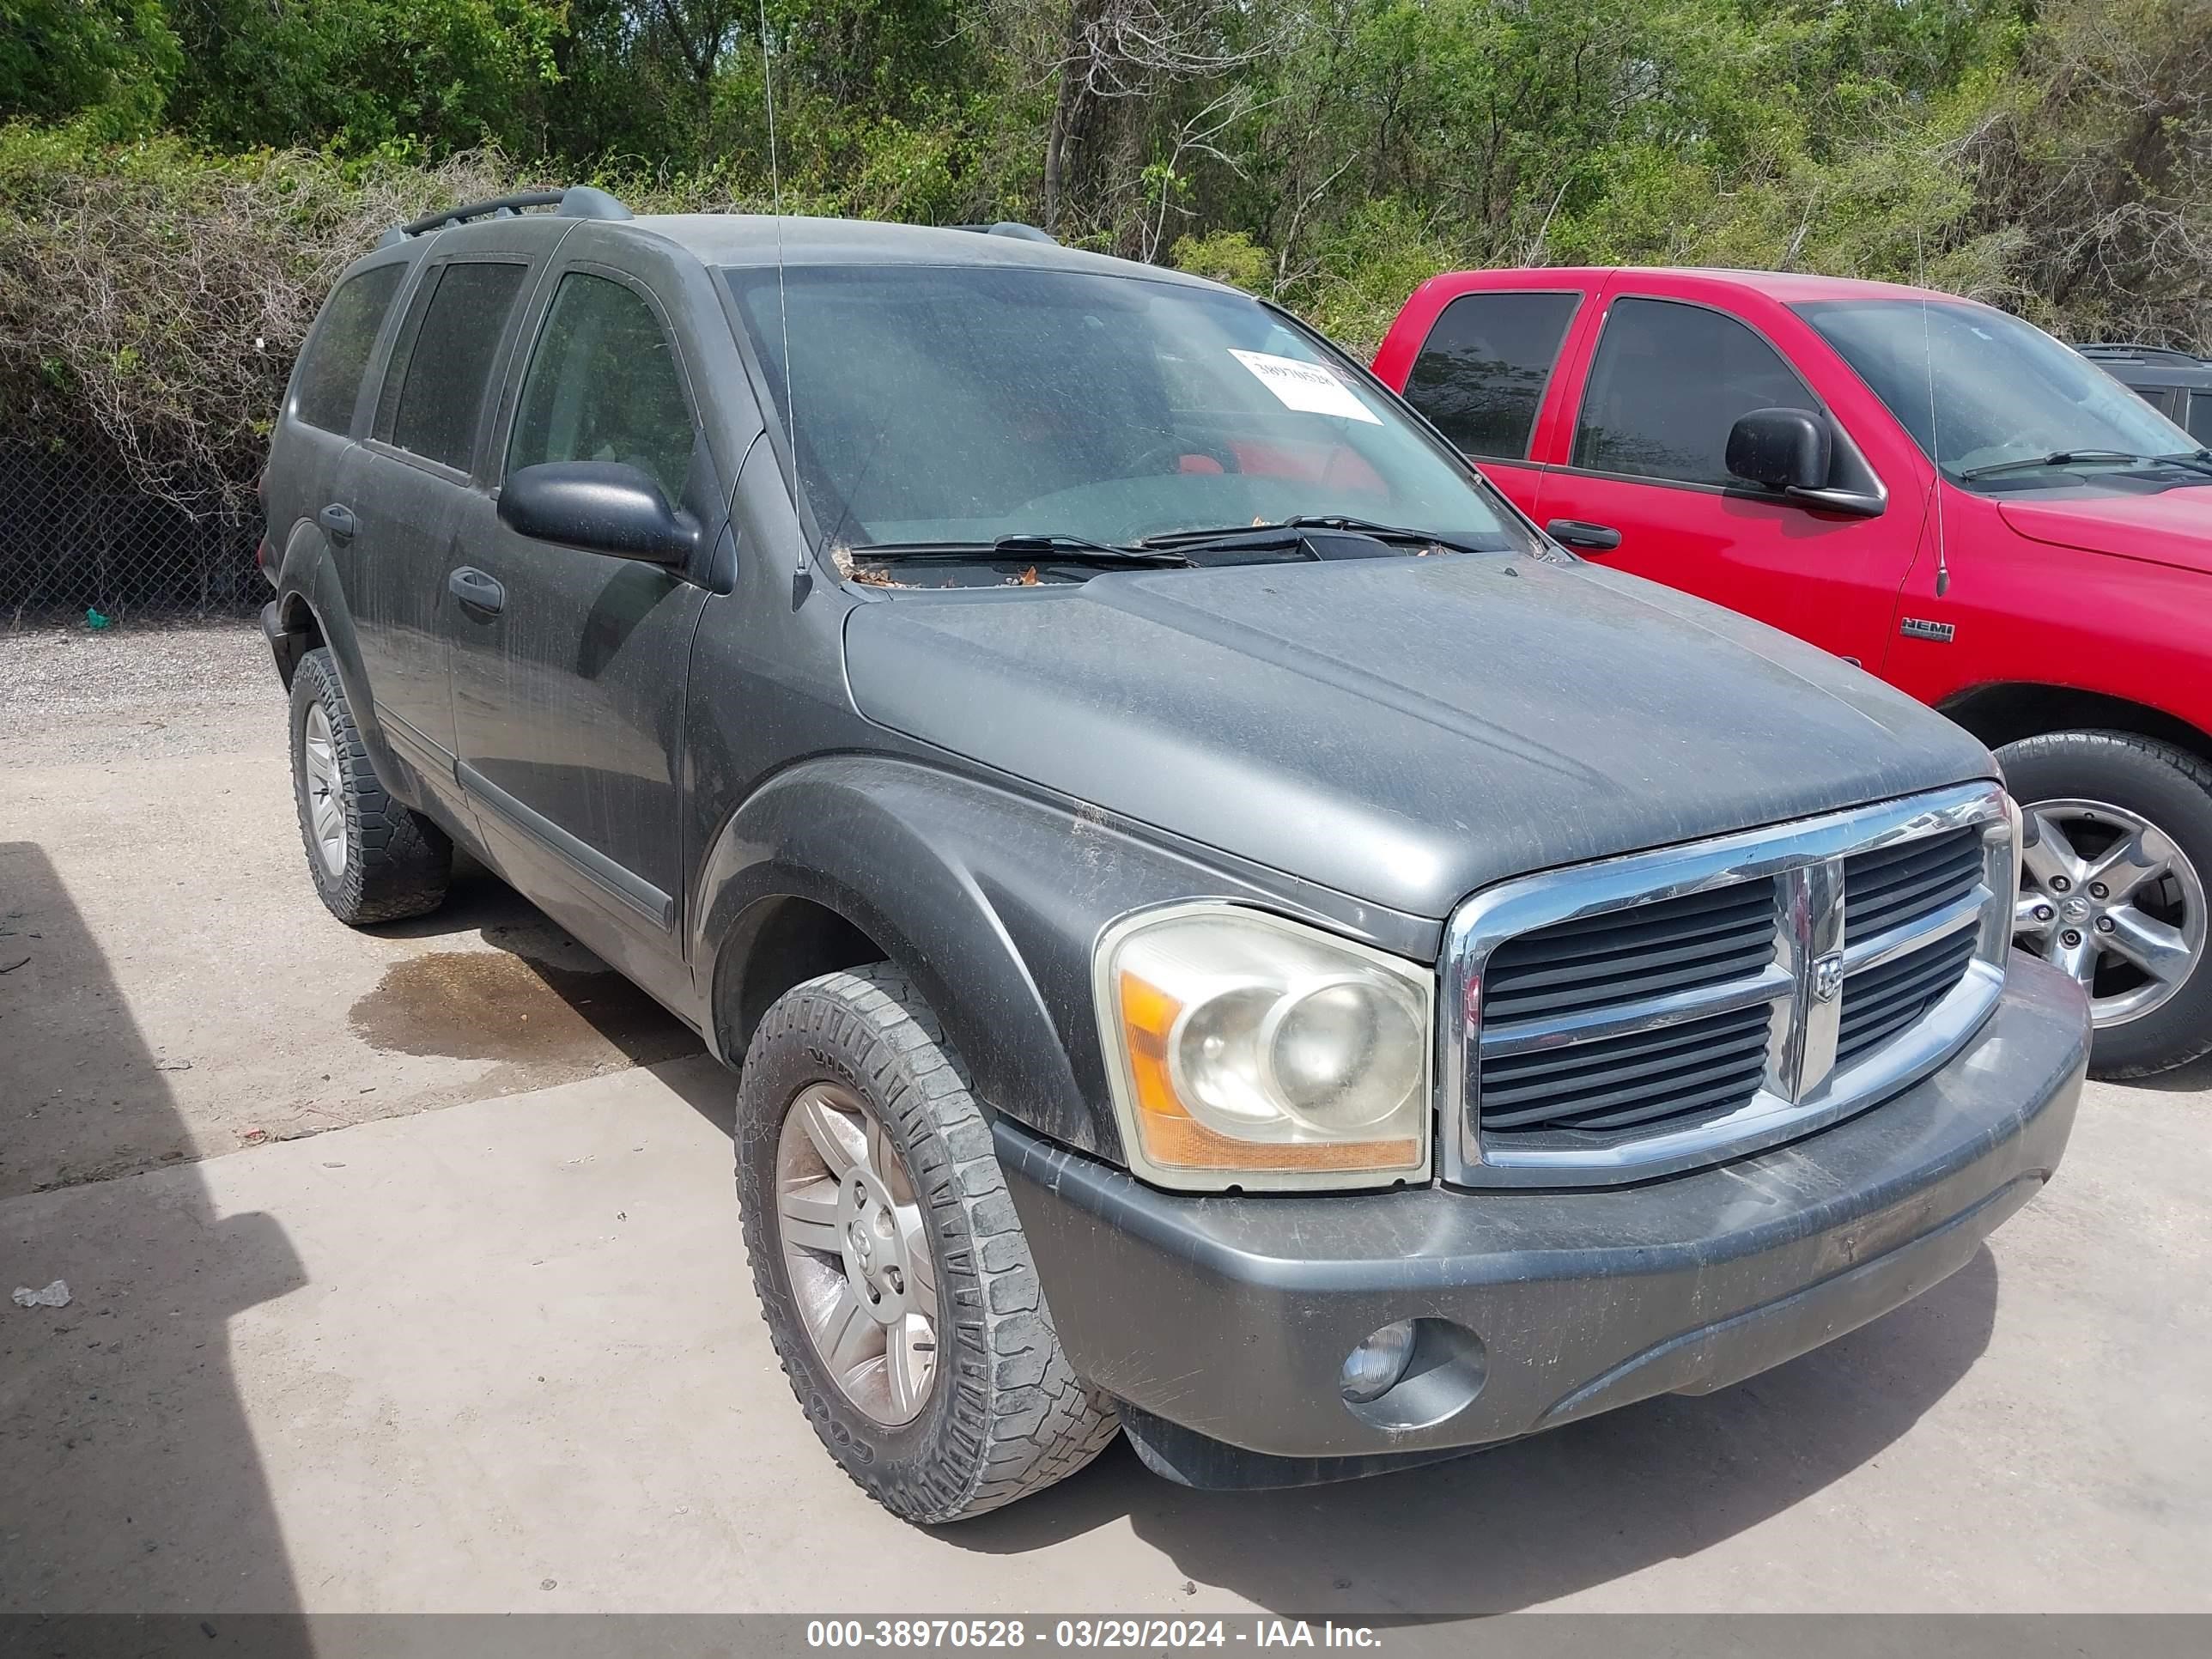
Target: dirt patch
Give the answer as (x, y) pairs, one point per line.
(555, 1023)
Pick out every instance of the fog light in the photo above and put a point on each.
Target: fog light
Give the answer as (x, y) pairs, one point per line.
(1373, 1369)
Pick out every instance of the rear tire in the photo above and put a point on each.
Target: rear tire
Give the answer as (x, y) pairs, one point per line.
(371, 858)
(2094, 796)
(1001, 1413)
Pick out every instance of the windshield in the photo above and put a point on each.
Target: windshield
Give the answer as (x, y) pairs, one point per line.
(960, 404)
(1977, 388)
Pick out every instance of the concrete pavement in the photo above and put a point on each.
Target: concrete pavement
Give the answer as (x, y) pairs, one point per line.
(152, 878)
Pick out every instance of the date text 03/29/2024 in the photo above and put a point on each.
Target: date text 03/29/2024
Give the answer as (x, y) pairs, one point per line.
(1133, 1633)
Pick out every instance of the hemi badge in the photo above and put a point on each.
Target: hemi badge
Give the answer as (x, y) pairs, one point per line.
(1913, 628)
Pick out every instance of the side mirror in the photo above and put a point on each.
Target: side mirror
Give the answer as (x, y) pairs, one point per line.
(1782, 449)
(602, 506)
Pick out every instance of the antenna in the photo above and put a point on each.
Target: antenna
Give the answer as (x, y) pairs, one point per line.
(802, 574)
(1935, 434)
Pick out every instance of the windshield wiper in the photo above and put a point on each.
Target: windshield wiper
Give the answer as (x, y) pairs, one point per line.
(2199, 458)
(1390, 532)
(1048, 544)
(2061, 458)
(1262, 534)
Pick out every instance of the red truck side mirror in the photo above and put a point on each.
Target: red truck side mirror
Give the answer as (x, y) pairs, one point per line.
(1782, 449)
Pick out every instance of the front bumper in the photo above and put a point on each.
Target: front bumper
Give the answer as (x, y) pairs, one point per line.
(1223, 1321)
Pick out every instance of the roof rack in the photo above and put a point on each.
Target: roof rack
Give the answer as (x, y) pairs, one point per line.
(2135, 350)
(577, 202)
(1011, 227)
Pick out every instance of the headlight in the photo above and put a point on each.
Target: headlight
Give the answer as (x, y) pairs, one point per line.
(1247, 1050)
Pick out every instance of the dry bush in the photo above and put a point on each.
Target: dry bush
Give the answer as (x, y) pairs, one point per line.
(2100, 164)
(152, 298)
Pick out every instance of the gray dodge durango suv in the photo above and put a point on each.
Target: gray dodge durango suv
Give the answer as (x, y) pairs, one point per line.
(1224, 933)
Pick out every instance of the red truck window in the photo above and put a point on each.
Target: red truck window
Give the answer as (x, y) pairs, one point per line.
(1481, 373)
(1668, 381)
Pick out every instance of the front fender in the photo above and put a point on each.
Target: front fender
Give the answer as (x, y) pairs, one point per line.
(989, 900)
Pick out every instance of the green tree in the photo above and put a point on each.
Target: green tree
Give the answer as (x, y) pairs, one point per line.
(111, 61)
(426, 76)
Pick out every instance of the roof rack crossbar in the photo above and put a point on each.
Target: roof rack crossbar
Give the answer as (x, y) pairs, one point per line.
(2138, 349)
(577, 202)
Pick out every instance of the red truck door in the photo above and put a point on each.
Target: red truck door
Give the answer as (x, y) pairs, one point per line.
(1641, 458)
(1480, 368)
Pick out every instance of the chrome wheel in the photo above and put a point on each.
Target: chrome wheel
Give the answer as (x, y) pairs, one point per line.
(2108, 897)
(857, 1251)
(325, 805)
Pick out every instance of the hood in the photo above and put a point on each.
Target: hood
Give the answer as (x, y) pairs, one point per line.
(2171, 527)
(1402, 731)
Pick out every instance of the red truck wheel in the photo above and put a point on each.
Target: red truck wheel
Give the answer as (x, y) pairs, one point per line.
(2114, 888)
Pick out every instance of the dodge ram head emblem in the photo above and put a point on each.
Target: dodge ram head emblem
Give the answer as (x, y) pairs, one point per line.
(1828, 976)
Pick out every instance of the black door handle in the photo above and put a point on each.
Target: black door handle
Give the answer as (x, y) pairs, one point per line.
(338, 519)
(477, 591)
(1589, 537)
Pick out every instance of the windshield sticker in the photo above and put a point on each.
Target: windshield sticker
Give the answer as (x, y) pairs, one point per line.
(1308, 386)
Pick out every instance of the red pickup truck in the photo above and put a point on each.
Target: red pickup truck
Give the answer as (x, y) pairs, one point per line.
(1925, 486)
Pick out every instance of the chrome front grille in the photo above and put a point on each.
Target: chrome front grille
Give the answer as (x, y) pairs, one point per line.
(1543, 982)
(1623, 1019)
(1893, 885)
(1613, 1083)
(1881, 1002)
(1680, 944)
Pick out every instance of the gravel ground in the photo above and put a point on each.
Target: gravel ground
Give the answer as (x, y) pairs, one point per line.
(69, 694)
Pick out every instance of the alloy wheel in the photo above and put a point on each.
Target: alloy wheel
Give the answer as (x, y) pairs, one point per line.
(856, 1248)
(325, 805)
(2106, 896)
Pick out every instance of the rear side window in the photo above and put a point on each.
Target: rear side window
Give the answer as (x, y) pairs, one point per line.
(1668, 381)
(441, 367)
(330, 374)
(604, 387)
(2200, 417)
(1482, 371)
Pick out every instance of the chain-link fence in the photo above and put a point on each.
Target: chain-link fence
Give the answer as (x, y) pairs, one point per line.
(76, 535)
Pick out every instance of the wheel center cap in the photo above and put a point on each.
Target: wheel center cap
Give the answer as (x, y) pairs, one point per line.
(875, 1261)
(2075, 908)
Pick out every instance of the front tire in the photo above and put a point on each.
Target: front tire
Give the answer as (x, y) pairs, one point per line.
(2114, 888)
(891, 1269)
(373, 858)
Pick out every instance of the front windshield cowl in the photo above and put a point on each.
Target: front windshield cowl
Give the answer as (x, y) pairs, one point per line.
(1997, 403)
(961, 405)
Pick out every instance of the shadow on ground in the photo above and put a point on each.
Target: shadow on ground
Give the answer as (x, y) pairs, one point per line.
(2192, 1078)
(1545, 1517)
(96, 1488)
